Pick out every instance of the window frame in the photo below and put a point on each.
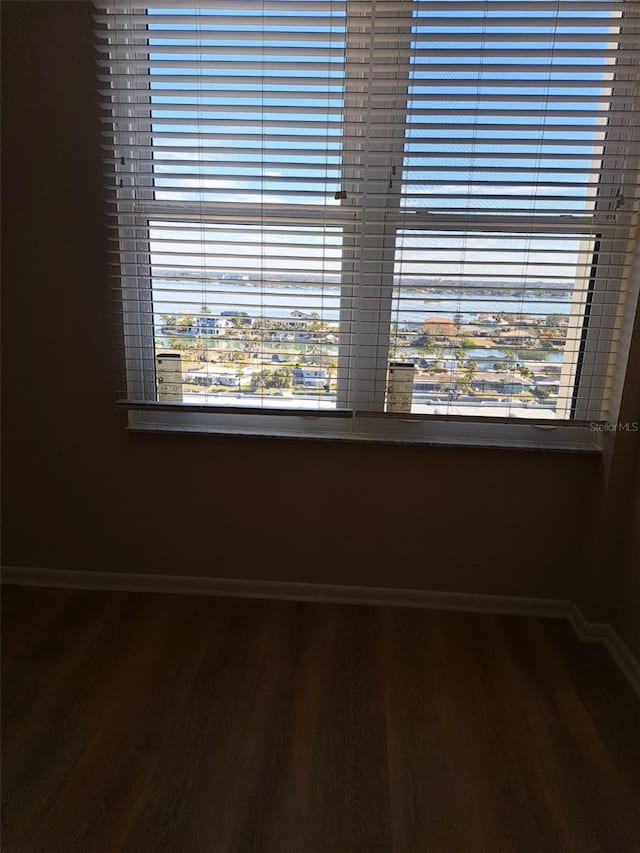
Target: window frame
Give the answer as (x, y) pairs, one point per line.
(359, 415)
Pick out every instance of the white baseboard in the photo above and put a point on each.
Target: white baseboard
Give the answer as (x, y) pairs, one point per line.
(602, 632)
(337, 594)
(286, 590)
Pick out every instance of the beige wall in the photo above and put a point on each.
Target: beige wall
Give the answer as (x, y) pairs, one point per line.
(82, 493)
(626, 618)
(625, 611)
(607, 584)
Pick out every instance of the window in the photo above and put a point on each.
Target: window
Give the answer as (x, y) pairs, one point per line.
(369, 216)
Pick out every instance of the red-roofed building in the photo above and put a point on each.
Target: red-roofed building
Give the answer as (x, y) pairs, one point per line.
(440, 327)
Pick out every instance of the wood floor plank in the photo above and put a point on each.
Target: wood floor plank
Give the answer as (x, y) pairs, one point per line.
(18, 603)
(139, 727)
(44, 750)
(136, 722)
(583, 762)
(536, 745)
(348, 786)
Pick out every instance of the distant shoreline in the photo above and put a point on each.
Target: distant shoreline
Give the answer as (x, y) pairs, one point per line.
(279, 299)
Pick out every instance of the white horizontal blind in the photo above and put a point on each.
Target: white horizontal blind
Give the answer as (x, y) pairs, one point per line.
(306, 191)
(227, 151)
(519, 185)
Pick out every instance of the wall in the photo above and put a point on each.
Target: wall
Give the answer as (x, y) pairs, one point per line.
(80, 492)
(625, 505)
(608, 581)
(626, 617)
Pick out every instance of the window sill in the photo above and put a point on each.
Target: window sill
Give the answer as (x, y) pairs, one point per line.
(437, 431)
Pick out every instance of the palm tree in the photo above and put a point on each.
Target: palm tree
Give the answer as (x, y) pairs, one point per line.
(470, 372)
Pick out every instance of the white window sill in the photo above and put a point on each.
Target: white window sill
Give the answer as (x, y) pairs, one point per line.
(564, 436)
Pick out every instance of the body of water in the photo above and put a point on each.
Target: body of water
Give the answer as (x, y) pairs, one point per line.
(499, 355)
(178, 297)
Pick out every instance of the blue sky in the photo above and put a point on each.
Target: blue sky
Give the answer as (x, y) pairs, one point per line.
(445, 165)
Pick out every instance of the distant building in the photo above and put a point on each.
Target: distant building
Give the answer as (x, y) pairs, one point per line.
(205, 324)
(299, 320)
(241, 316)
(310, 377)
(502, 382)
(440, 327)
(518, 337)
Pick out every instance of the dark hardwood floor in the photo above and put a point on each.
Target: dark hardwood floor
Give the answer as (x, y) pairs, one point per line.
(149, 723)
